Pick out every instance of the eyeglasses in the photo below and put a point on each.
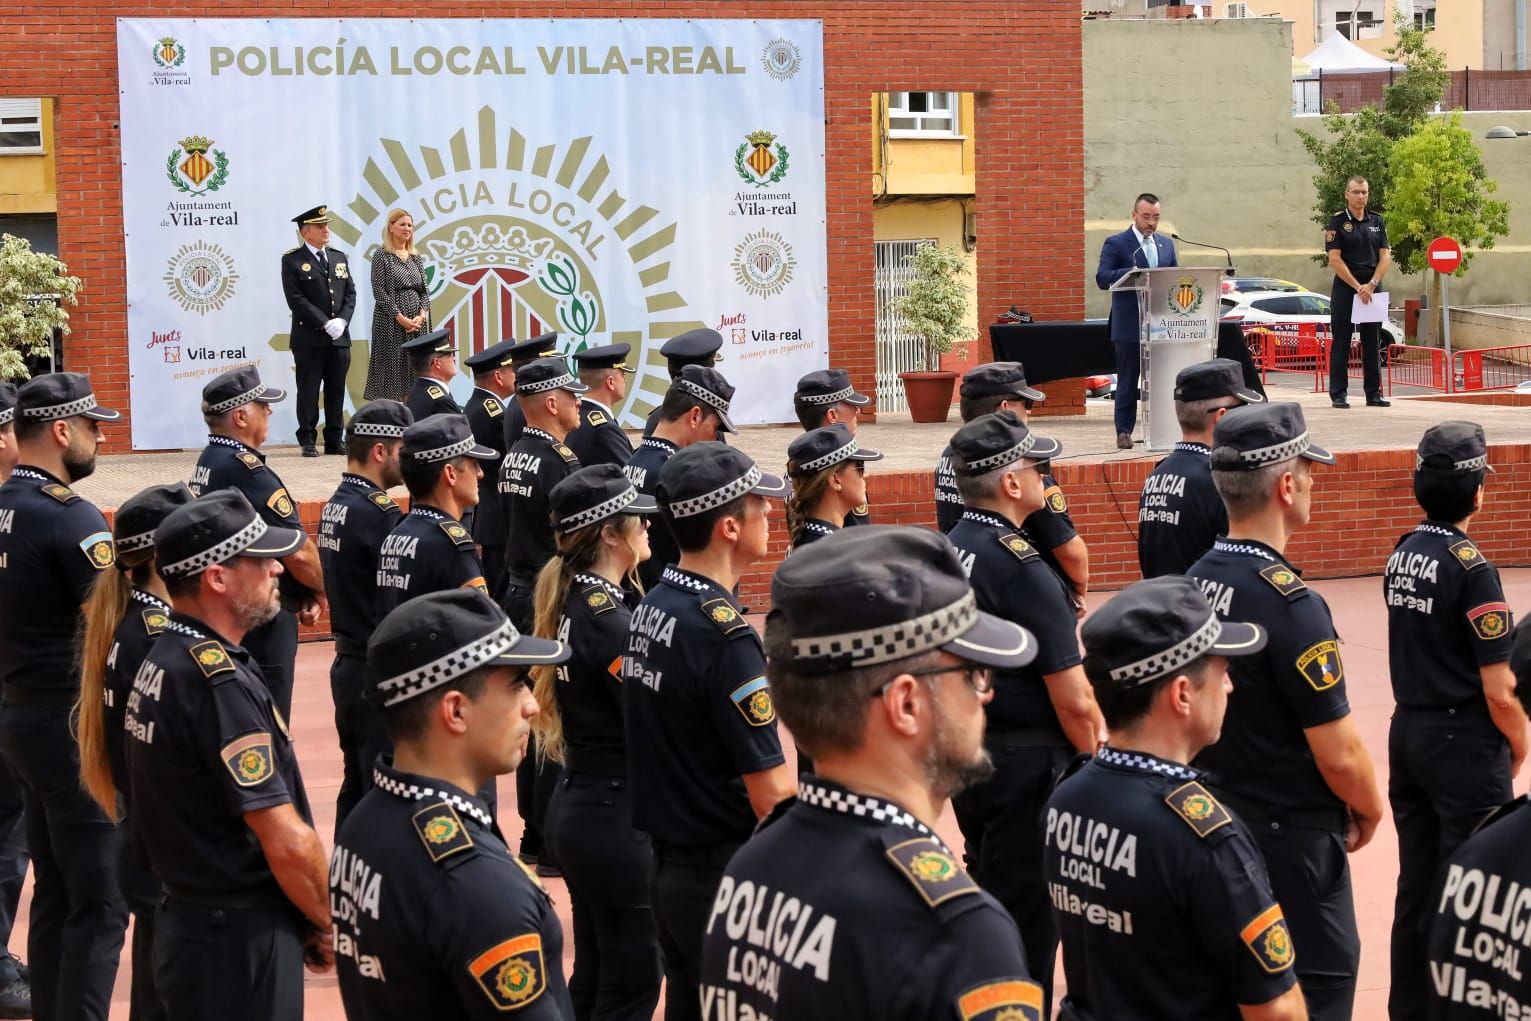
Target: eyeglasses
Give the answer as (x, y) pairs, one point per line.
(979, 678)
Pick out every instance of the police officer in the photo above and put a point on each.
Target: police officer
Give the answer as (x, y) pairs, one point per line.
(1458, 734)
(694, 410)
(1159, 891)
(8, 453)
(1179, 511)
(522, 354)
(1291, 762)
(433, 356)
(828, 472)
(493, 381)
(1477, 896)
(352, 527)
(237, 409)
(587, 601)
(1001, 386)
(429, 549)
(702, 750)
(53, 545)
(1359, 254)
(599, 439)
(316, 281)
(217, 796)
(826, 397)
(1041, 713)
(15, 995)
(880, 661)
(434, 916)
(694, 347)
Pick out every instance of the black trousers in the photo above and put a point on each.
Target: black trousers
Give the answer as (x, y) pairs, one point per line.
(362, 730)
(142, 892)
(78, 917)
(1001, 820)
(607, 865)
(1447, 769)
(274, 647)
(326, 367)
(682, 893)
(492, 556)
(13, 865)
(1340, 299)
(234, 964)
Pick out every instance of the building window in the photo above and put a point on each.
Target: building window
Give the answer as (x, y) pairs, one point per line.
(1424, 17)
(1358, 24)
(21, 127)
(931, 114)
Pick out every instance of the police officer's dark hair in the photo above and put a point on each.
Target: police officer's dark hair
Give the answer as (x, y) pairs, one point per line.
(1122, 707)
(409, 721)
(596, 378)
(828, 712)
(694, 533)
(1196, 416)
(359, 448)
(421, 478)
(972, 407)
(420, 359)
(31, 428)
(1245, 493)
(678, 403)
(1148, 197)
(1446, 496)
(810, 416)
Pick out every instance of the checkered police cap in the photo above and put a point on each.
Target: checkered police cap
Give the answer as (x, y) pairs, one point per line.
(57, 395)
(216, 528)
(1156, 628)
(465, 659)
(893, 641)
(1256, 436)
(718, 497)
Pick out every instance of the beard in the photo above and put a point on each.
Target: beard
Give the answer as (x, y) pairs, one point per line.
(79, 464)
(949, 768)
(258, 608)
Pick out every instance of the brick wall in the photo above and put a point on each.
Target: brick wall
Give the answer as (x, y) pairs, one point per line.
(1023, 61)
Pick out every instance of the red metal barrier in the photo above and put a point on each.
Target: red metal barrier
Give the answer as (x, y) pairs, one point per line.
(1285, 347)
(1422, 367)
(1492, 368)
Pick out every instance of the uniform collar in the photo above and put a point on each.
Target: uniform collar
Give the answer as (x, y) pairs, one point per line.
(149, 599)
(1142, 762)
(690, 581)
(1364, 216)
(990, 518)
(232, 443)
(539, 434)
(819, 527)
(1433, 527)
(410, 787)
(423, 510)
(831, 797)
(586, 578)
(658, 444)
(359, 481)
(35, 474)
(1249, 548)
(191, 627)
(1192, 448)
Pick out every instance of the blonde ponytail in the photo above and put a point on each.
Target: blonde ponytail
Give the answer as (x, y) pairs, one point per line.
(103, 611)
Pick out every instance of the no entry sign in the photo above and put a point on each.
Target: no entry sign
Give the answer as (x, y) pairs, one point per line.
(1445, 255)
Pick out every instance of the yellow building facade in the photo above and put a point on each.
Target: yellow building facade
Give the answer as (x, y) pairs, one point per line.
(26, 174)
(1475, 34)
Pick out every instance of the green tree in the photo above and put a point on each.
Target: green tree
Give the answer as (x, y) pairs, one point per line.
(934, 305)
(34, 288)
(1440, 188)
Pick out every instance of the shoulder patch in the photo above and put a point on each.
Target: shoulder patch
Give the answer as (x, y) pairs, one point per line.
(564, 452)
(212, 658)
(722, 613)
(1056, 501)
(934, 873)
(441, 830)
(1283, 579)
(155, 620)
(1320, 664)
(459, 535)
(1200, 810)
(1490, 621)
(1022, 549)
(99, 550)
(249, 460)
(511, 974)
(1012, 999)
(249, 759)
(280, 502)
(61, 492)
(493, 408)
(598, 599)
(1267, 938)
(864, 510)
(478, 583)
(1467, 554)
(382, 500)
(753, 700)
(434, 392)
(596, 417)
(1328, 236)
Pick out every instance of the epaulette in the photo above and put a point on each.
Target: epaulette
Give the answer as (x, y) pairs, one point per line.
(598, 599)
(493, 408)
(1283, 579)
(294, 248)
(249, 460)
(1467, 554)
(435, 392)
(61, 492)
(722, 613)
(1503, 811)
(934, 873)
(1022, 549)
(863, 511)
(382, 500)
(1198, 808)
(459, 535)
(569, 457)
(212, 658)
(155, 620)
(441, 831)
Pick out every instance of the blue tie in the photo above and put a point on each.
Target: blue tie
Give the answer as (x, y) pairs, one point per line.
(1151, 250)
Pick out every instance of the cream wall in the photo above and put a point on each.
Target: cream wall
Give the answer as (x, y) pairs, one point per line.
(939, 219)
(1459, 31)
(26, 182)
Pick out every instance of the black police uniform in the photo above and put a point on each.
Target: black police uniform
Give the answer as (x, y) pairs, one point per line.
(1476, 945)
(1001, 818)
(434, 917)
(318, 289)
(352, 528)
(226, 463)
(427, 551)
(694, 347)
(813, 530)
(53, 544)
(1179, 512)
(1160, 894)
(431, 397)
(489, 525)
(205, 746)
(845, 906)
(1448, 764)
(522, 355)
(1360, 243)
(642, 470)
(1046, 529)
(589, 825)
(531, 469)
(698, 717)
(599, 439)
(1264, 769)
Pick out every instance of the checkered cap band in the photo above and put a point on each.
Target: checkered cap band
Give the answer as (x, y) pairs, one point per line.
(237, 401)
(834, 398)
(447, 452)
(1161, 664)
(600, 512)
(230, 547)
(894, 641)
(78, 406)
(1471, 464)
(1276, 453)
(405, 686)
(832, 458)
(703, 394)
(6, 414)
(718, 497)
(381, 430)
(134, 543)
(556, 383)
(1003, 458)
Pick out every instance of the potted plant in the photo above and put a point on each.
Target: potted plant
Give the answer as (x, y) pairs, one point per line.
(934, 308)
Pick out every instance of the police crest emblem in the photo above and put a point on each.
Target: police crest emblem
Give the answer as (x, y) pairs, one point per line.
(1320, 664)
(441, 830)
(98, 549)
(1056, 501)
(1009, 1000)
(212, 658)
(248, 759)
(1268, 939)
(1200, 810)
(511, 974)
(280, 502)
(934, 873)
(248, 459)
(1490, 621)
(1467, 553)
(753, 700)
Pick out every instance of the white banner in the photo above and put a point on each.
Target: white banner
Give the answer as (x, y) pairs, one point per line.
(607, 180)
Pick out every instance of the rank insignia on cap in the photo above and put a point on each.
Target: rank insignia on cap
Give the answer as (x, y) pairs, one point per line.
(212, 658)
(933, 872)
(1008, 1000)
(722, 613)
(511, 974)
(1490, 621)
(1056, 501)
(61, 493)
(434, 392)
(1200, 810)
(1022, 549)
(98, 549)
(1467, 553)
(1320, 664)
(493, 408)
(249, 460)
(155, 621)
(441, 830)
(248, 759)
(596, 418)
(1268, 939)
(753, 699)
(1283, 579)
(456, 532)
(280, 502)
(383, 500)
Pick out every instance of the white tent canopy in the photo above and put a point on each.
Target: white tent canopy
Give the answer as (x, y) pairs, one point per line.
(1338, 54)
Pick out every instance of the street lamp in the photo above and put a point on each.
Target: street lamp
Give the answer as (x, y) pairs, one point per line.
(1503, 132)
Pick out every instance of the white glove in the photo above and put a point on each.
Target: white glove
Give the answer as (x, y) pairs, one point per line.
(335, 327)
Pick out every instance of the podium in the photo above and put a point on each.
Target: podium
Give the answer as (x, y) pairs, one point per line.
(1178, 310)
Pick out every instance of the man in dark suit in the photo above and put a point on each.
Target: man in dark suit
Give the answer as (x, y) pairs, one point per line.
(322, 296)
(1137, 247)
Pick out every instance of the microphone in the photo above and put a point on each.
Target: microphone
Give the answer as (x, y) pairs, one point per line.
(1215, 248)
